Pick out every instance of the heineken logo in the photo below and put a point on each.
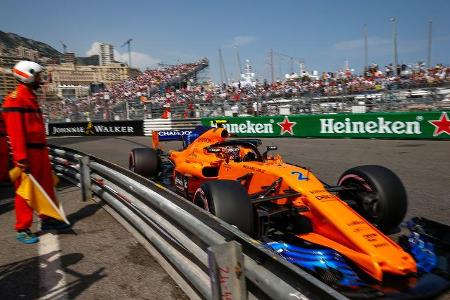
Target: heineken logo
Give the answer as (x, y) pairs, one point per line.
(380, 126)
(249, 127)
(286, 126)
(442, 125)
(246, 127)
(407, 125)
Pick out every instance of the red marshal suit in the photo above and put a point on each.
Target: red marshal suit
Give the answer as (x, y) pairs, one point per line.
(26, 130)
(3, 152)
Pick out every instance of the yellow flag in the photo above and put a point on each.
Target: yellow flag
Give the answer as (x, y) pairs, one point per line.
(36, 197)
(14, 173)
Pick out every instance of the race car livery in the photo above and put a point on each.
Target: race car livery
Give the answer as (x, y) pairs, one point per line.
(336, 232)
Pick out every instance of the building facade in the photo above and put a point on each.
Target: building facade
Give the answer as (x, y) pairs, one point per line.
(7, 81)
(28, 54)
(65, 80)
(106, 54)
(69, 79)
(69, 57)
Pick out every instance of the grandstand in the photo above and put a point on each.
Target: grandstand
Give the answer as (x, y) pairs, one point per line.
(128, 99)
(176, 89)
(139, 91)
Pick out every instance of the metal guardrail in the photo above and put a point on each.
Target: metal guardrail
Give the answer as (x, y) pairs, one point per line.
(186, 238)
(402, 98)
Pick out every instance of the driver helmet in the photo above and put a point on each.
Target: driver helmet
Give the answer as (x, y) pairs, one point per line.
(233, 152)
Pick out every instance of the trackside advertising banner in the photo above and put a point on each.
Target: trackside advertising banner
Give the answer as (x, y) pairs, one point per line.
(96, 128)
(400, 125)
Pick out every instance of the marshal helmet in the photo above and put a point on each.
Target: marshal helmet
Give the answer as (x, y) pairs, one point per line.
(26, 71)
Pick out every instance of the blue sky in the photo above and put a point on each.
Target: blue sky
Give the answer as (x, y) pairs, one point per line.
(322, 33)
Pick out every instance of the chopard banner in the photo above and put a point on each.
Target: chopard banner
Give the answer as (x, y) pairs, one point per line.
(96, 128)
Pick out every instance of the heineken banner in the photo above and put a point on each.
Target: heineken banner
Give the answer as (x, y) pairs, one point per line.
(399, 125)
(96, 128)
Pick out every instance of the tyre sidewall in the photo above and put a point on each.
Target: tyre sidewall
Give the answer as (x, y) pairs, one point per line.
(146, 162)
(392, 197)
(229, 201)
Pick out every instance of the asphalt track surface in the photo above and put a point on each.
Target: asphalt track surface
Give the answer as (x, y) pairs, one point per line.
(101, 260)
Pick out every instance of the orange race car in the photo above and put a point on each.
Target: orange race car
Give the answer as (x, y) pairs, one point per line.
(335, 232)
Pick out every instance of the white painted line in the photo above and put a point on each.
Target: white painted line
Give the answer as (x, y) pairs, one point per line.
(52, 279)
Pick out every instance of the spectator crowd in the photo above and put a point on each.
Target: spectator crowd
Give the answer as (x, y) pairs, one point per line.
(170, 85)
(154, 80)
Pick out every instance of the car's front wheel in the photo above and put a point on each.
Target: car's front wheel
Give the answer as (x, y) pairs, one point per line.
(229, 201)
(379, 195)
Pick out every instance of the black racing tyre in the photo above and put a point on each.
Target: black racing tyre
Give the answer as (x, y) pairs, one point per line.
(144, 161)
(229, 201)
(381, 197)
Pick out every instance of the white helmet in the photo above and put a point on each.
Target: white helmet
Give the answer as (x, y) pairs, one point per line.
(25, 71)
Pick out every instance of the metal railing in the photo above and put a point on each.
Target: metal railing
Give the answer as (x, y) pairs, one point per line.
(424, 99)
(186, 238)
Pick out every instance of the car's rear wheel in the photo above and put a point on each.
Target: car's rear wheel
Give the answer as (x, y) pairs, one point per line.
(380, 196)
(144, 161)
(229, 201)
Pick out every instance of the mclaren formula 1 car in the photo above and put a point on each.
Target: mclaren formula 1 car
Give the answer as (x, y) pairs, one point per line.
(336, 232)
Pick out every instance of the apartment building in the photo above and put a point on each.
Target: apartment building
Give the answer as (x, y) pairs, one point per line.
(106, 54)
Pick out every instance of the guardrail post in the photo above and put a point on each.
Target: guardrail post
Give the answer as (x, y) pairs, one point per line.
(226, 271)
(85, 178)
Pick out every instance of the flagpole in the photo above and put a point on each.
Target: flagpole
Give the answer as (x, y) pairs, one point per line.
(430, 29)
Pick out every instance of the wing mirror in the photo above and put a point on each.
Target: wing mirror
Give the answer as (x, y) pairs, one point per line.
(269, 148)
(219, 123)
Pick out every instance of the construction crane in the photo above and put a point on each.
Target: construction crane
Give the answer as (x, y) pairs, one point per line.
(292, 59)
(64, 46)
(129, 51)
(223, 71)
(238, 64)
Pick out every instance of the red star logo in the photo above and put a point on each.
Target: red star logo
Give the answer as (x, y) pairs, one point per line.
(287, 126)
(442, 125)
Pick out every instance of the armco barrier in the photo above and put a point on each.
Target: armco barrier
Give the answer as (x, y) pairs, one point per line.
(400, 125)
(182, 236)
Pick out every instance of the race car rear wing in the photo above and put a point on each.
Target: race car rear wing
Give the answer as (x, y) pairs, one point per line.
(187, 136)
(168, 135)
